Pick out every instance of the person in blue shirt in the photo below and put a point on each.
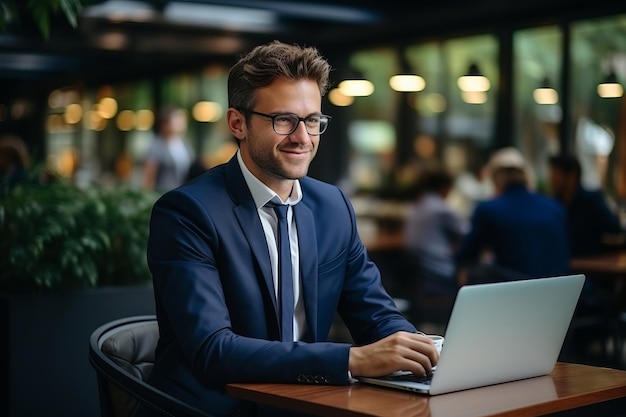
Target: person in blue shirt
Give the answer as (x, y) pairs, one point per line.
(518, 233)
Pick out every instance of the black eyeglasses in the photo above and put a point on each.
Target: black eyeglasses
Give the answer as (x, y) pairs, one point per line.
(287, 123)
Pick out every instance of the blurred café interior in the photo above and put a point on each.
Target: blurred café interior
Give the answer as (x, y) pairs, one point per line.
(548, 77)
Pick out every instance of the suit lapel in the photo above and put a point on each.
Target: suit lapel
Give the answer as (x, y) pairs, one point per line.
(250, 225)
(248, 219)
(307, 242)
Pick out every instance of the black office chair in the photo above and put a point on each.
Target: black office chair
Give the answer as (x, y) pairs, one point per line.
(122, 353)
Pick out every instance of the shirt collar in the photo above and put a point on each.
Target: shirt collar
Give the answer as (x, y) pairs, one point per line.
(261, 193)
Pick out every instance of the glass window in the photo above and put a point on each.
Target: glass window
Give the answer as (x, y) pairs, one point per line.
(537, 103)
(426, 60)
(470, 115)
(372, 123)
(468, 124)
(598, 51)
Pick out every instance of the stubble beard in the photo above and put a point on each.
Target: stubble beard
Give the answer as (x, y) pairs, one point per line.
(273, 166)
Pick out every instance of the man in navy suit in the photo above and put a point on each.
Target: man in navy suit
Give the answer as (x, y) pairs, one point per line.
(213, 254)
(517, 234)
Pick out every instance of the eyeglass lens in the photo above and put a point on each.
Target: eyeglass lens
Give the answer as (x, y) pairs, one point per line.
(286, 124)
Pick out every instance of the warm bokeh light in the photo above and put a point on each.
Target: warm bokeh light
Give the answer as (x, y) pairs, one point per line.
(339, 99)
(436, 103)
(425, 146)
(20, 109)
(144, 119)
(207, 111)
(94, 121)
(356, 88)
(407, 82)
(107, 107)
(112, 41)
(125, 120)
(63, 164)
(545, 95)
(223, 154)
(55, 123)
(610, 90)
(473, 83)
(67, 162)
(474, 97)
(61, 98)
(55, 99)
(73, 113)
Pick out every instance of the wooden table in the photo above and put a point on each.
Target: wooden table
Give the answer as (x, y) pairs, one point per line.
(606, 264)
(568, 387)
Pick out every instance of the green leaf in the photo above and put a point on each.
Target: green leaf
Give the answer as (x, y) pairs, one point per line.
(41, 12)
(58, 236)
(71, 8)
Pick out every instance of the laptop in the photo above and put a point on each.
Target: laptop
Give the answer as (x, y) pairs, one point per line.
(498, 332)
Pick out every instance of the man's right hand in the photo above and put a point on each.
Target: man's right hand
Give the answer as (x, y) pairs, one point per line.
(401, 351)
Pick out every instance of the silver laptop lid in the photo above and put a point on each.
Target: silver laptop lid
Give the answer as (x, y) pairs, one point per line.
(506, 331)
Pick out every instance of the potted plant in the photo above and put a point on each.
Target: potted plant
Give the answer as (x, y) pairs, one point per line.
(59, 236)
(71, 259)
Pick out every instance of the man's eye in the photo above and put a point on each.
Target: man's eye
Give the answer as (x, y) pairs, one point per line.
(284, 119)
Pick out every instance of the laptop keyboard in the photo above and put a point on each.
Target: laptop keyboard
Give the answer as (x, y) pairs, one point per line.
(411, 377)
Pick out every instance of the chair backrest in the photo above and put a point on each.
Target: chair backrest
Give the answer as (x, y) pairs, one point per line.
(122, 353)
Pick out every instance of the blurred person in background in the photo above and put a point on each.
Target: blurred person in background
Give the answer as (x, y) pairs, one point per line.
(516, 234)
(169, 156)
(470, 186)
(594, 143)
(593, 225)
(431, 233)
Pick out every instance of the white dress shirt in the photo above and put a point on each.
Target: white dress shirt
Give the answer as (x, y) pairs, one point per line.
(261, 195)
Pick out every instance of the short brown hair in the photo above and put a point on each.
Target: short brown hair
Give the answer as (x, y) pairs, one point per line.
(434, 179)
(567, 163)
(265, 63)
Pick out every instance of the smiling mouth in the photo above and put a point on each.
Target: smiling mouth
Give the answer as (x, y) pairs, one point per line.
(296, 151)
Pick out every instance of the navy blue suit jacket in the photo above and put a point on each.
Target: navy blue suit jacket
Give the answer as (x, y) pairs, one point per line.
(589, 219)
(215, 299)
(525, 231)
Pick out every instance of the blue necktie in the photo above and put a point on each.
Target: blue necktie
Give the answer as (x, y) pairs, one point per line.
(285, 274)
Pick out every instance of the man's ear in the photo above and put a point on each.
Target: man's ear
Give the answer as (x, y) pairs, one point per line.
(236, 123)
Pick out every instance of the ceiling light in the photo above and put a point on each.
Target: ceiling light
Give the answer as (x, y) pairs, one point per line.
(473, 81)
(407, 82)
(610, 87)
(356, 87)
(545, 93)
